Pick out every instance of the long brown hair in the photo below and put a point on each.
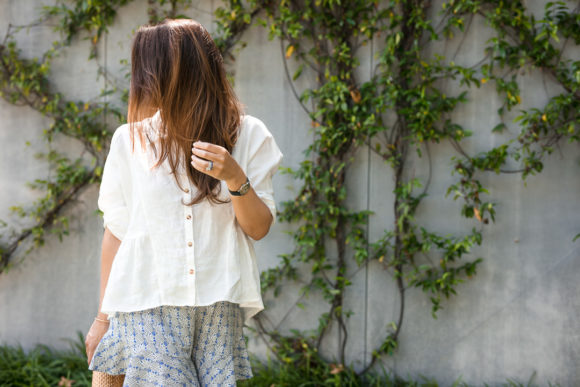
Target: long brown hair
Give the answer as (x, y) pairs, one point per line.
(176, 68)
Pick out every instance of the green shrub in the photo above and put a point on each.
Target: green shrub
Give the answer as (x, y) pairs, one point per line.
(44, 366)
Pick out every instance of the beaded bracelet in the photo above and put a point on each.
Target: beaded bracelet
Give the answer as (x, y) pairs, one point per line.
(100, 319)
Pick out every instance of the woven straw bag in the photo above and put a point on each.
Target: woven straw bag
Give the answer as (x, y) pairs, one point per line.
(101, 379)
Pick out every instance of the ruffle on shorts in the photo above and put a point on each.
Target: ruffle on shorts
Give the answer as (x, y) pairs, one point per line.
(175, 346)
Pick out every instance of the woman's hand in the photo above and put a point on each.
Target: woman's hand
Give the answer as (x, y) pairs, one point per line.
(224, 166)
(94, 336)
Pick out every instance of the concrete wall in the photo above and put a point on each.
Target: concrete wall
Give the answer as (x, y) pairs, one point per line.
(517, 317)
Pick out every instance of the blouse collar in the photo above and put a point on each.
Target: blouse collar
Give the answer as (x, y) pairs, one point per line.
(153, 125)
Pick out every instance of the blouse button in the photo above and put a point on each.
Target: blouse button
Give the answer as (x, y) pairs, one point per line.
(188, 216)
(190, 271)
(189, 244)
(186, 190)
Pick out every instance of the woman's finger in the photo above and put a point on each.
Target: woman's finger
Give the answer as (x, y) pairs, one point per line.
(213, 148)
(202, 165)
(89, 351)
(205, 154)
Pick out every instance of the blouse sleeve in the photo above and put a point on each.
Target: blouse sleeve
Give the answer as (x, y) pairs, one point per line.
(264, 160)
(111, 199)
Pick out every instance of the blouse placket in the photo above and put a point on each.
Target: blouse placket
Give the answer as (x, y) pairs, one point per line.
(189, 240)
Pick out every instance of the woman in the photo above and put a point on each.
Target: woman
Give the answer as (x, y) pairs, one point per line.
(185, 191)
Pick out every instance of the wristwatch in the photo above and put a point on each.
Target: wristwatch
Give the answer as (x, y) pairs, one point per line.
(243, 189)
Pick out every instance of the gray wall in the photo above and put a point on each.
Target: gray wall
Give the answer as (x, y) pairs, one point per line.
(519, 315)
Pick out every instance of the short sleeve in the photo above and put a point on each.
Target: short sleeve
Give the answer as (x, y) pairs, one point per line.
(264, 159)
(111, 199)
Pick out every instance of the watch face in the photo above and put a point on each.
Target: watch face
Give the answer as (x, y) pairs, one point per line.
(244, 188)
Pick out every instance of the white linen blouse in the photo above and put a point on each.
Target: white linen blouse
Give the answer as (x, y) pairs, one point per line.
(173, 254)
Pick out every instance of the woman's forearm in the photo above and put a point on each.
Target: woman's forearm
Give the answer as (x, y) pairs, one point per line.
(252, 213)
(109, 249)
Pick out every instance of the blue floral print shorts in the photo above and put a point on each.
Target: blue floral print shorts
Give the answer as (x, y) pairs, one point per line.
(175, 346)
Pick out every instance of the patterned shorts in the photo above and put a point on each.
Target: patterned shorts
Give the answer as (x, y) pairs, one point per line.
(175, 346)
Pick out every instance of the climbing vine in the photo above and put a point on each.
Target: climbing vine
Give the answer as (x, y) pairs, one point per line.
(25, 82)
(405, 106)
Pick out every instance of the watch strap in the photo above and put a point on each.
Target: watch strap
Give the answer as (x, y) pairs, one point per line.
(243, 189)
